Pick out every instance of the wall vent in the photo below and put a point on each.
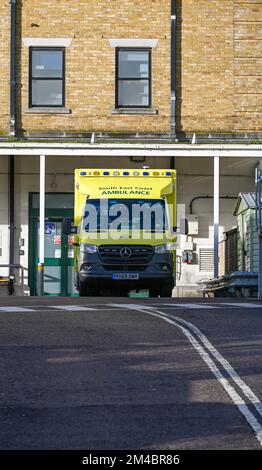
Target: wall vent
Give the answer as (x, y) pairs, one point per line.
(206, 259)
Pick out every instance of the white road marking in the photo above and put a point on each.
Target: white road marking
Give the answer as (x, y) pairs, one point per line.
(227, 366)
(93, 307)
(199, 306)
(139, 306)
(16, 309)
(68, 308)
(72, 308)
(235, 397)
(173, 305)
(245, 305)
(133, 306)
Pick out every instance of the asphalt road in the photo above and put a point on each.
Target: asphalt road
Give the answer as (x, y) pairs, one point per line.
(130, 374)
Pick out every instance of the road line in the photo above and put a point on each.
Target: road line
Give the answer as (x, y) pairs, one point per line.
(192, 306)
(246, 390)
(68, 308)
(235, 397)
(139, 306)
(215, 306)
(72, 308)
(245, 305)
(16, 309)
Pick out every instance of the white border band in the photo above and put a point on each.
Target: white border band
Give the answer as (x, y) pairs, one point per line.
(47, 42)
(133, 42)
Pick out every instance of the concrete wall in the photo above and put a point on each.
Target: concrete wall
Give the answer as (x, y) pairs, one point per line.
(4, 232)
(195, 178)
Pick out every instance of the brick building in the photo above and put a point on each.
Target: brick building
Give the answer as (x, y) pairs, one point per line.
(142, 72)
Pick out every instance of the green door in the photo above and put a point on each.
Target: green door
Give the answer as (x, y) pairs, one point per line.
(59, 250)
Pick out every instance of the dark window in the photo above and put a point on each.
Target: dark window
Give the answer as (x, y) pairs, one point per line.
(47, 77)
(133, 78)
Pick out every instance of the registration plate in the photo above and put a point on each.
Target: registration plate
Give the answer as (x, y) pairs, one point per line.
(123, 276)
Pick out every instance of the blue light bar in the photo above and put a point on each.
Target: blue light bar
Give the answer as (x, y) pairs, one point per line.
(168, 173)
(106, 173)
(145, 173)
(125, 173)
(82, 173)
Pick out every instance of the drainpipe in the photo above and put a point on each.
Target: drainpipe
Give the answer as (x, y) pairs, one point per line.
(11, 218)
(173, 70)
(207, 197)
(12, 69)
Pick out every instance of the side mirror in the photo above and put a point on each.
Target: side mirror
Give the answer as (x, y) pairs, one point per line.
(66, 226)
(183, 226)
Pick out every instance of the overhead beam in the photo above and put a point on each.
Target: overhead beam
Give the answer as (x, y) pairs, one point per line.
(121, 150)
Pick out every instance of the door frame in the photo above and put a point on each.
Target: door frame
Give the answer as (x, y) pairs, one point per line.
(32, 237)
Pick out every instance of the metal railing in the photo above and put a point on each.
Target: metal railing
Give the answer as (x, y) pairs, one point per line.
(12, 278)
(178, 267)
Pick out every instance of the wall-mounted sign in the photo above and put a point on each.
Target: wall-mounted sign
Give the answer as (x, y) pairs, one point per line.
(71, 240)
(50, 228)
(57, 240)
(57, 253)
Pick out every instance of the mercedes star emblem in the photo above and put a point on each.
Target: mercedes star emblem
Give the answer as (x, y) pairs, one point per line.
(125, 252)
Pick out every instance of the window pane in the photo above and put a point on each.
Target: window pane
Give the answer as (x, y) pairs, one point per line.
(47, 93)
(133, 64)
(47, 64)
(133, 93)
(55, 201)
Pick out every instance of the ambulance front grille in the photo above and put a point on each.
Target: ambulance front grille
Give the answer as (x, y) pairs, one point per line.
(125, 253)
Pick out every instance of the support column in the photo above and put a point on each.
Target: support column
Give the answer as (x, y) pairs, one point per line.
(216, 213)
(258, 181)
(260, 268)
(11, 209)
(11, 221)
(40, 266)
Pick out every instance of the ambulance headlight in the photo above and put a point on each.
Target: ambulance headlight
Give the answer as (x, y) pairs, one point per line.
(166, 248)
(86, 248)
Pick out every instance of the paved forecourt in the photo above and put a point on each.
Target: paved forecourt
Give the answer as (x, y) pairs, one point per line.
(130, 374)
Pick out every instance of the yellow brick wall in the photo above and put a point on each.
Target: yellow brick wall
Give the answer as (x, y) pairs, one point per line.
(4, 65)
(219, 68)
(90, 61)
(205, 81)
(247, 65)
(218, 63)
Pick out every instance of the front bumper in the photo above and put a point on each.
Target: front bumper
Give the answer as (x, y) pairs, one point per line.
(158, 271)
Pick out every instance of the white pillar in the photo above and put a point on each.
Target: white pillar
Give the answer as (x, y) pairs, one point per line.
(42, 211)
(40, 270)
(259, 225)
(216, 213)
